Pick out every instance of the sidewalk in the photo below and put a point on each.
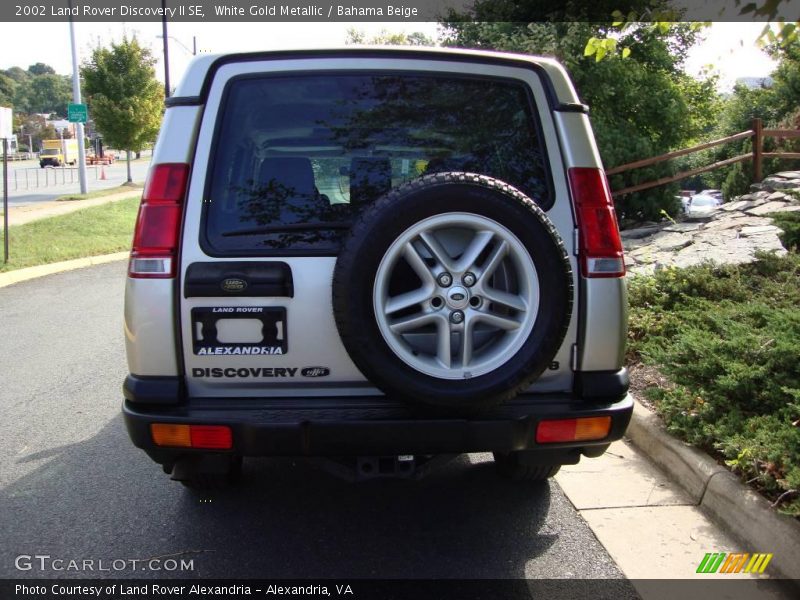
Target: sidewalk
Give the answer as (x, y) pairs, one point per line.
(19, 215)
(648, 524)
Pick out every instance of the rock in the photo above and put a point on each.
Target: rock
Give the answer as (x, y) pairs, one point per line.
(700, 218)
(733, 234)
(779, 196)
(740, 204)
(683, 227)
(645, 254)
(758, 230)
(773, 183)
(769, 207)
(672, 242)
(631, 245)
(735, 220)
(638, 233)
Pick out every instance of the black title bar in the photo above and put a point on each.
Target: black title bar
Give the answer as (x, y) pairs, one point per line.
(376, 10)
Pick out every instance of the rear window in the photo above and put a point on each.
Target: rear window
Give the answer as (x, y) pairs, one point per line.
(296, 157)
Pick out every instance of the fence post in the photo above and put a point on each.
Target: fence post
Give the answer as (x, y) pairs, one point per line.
(758, 148)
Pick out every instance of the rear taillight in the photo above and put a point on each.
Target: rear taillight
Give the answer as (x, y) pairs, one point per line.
(600, 245)
(210, 437)
(158, 226)
(573, 430)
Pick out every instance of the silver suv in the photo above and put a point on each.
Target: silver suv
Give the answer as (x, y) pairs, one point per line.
(378, 256)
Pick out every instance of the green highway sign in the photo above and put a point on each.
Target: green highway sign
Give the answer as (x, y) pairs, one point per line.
(77, 113)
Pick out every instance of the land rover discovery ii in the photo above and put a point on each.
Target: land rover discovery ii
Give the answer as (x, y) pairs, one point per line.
(375, 255)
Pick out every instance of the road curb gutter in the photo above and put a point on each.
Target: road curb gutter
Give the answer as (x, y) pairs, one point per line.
(28, 273)
(746, 515)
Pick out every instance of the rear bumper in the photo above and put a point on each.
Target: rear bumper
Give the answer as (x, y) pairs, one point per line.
(376, 426)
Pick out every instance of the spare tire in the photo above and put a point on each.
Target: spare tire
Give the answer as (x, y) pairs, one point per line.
(452, 291)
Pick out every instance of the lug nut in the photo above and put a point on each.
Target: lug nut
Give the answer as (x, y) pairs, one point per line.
(469, 279)
(457, 317)
(445, 279)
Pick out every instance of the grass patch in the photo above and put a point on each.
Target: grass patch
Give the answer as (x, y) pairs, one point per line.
(728, 341)
(125, 187)
(88, 232)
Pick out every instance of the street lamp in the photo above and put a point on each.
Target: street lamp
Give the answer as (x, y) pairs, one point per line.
(166, 47)
(193, 51)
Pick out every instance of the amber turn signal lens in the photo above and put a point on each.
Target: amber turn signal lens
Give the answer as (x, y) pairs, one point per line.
(573, 430)
(165, 434)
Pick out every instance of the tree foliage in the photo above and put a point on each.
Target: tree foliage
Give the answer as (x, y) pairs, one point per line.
(35, 90)
(7, 89)
(125, 99)
(41, 69)
(641, 106)
(776, 104)
(46, 93)
(385, 38)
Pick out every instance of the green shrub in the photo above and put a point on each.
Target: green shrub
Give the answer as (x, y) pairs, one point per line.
(789, 222)
(728, 338)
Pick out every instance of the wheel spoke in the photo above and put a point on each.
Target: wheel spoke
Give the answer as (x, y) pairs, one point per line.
(504, 298)
(443, 343)
(406, 300)
(495, 258)
(473, 251)
(413, 322)
(436, 249)
(417, 263)
(466, 342)
(506, 323)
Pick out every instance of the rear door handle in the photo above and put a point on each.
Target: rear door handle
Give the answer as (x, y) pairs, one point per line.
(240, 278)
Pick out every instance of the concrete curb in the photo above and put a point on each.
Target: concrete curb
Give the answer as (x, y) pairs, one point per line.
(744, 513)
(19, 275)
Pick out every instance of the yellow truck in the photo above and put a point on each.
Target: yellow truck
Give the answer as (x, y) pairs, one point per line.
(58, 152)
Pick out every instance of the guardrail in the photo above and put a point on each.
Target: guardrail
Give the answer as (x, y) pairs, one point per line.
(757, 133)
(37, 177)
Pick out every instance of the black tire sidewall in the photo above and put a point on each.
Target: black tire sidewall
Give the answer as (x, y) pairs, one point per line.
(390, 217)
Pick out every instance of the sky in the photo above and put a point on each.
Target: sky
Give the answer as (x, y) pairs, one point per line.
(729, 47)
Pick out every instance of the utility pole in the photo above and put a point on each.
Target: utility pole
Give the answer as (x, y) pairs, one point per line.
(76, 98)
(166, 48)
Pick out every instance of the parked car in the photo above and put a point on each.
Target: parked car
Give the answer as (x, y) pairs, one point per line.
(377, 256)
(717, 194)
(704, 203)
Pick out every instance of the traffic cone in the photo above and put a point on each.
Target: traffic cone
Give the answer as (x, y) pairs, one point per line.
(102, 173)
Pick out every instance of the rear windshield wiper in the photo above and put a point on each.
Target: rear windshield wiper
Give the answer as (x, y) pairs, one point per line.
(287, 227)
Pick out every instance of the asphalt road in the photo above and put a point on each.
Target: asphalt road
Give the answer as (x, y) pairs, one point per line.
(29, 184)
(74, 488)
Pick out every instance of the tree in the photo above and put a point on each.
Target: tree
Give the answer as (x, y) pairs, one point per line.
(125, 99)
(384, 38)
(34, 126)
(7, 90)
(17, 74)
(41, 69)
(640, 106)
(46, 94)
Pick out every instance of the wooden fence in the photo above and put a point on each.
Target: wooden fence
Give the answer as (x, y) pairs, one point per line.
(757, 133)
